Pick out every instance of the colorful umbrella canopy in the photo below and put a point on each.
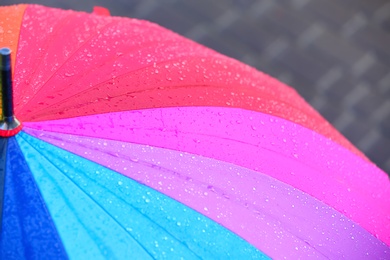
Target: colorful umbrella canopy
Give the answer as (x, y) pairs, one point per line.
(138, 143)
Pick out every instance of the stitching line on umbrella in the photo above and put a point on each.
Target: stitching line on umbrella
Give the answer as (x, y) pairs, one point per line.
(264, 96)
(47, 43)
(95, 68)
(72, 54)
(213, 189)
(100, 206)
(76, 185)
(40, 197)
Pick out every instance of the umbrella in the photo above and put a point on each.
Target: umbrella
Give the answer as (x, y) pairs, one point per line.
(126, 140)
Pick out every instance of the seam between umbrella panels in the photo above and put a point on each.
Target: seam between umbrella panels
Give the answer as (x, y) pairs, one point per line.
(123, 228)
(344, 142)
(87, 196)
(263, 96)
(311, 246)
(264, 212)
(181, 176)
(138, 70)
(253, 145)
(129, 50)
(68, 58)
(222, 138)
(58, 26)
(222, 193)
(97, 33)
(43, 203)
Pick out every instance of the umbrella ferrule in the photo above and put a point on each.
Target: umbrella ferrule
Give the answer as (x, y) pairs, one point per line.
(9, 125)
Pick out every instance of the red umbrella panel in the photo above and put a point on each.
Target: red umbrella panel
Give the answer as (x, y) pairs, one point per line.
(137, 142)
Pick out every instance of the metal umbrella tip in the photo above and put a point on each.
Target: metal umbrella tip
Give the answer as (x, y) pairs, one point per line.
(5, 54)
(9, 125)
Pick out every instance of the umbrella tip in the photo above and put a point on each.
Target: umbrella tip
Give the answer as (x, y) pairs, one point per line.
(5, 54)
(5, 51)
(9, 125)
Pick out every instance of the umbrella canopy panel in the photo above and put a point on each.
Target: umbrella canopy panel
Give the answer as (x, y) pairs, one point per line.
(139, 142)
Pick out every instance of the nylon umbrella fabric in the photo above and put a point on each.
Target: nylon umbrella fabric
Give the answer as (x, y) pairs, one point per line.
(139, 143)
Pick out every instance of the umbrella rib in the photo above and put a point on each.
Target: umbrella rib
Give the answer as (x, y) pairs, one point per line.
(144, 46)
(97, 33)
(68, 58)
(242, 142)
(88, 197)
(47, 43)
(101, 207)
(216, 190)
(198, 182)
(41, 199)
(265, 96)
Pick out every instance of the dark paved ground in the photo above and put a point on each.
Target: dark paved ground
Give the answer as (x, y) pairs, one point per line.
(336, 53)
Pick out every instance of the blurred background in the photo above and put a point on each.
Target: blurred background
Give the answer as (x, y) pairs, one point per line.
(335, 53)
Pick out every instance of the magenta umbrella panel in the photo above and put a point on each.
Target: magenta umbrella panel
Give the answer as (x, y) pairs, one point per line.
(133, 142)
